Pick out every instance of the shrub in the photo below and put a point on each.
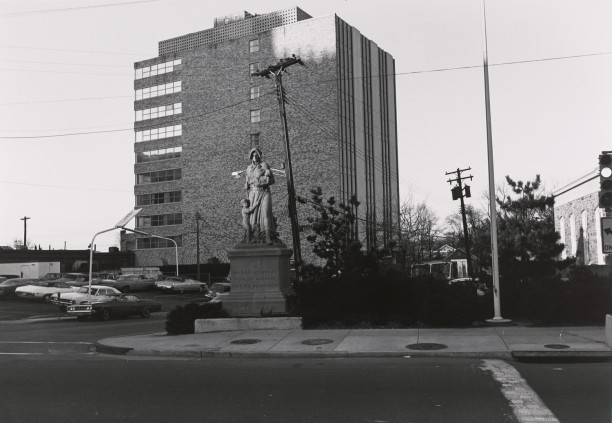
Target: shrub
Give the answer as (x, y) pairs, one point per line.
(181, 320)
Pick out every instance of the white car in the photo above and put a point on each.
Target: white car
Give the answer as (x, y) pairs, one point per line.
(180, 284)
(43, 291)
(99, 293)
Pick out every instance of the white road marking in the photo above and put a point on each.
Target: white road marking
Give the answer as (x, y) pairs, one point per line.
(526, 404)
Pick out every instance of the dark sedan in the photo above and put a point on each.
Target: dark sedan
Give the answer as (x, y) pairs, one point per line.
(9, 286)
(122, 305)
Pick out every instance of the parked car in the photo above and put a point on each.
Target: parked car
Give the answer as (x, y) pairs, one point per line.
(43, 290)
(52, 276)
(98, 293)
(9, 286)
(128, 283)
(118, 305)
(218, 291)
(181, 284)
(480, 287)
(74, 279)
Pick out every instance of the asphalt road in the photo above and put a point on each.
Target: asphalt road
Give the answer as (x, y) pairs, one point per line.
(50, 374)
(93, 388)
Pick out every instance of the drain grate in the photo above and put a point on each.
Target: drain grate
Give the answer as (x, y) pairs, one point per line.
(426, 346)
(317, 341)
(245, 341)
(557, 346)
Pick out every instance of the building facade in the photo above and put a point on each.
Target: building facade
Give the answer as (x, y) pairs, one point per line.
(198, 112)
(578, 222)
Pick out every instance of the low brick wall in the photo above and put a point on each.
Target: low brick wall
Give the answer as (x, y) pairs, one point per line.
(251, 323)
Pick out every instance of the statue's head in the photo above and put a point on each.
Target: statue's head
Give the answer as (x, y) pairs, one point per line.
(255, 154)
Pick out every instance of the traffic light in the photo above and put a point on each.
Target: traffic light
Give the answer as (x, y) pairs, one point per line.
(605, 180)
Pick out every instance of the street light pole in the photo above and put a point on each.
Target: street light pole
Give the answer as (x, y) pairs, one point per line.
(25, 231)
(492, 206)
(198, 217)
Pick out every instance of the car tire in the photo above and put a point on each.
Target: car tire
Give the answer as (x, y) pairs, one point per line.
(146, 312)
(47, 298)
(106, 314)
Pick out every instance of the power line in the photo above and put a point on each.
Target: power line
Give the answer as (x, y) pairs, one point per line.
(64, 187)
(67, 72)
(66, 63)
(131, 128)
(65, 100)
(66, 9)
(72, 51)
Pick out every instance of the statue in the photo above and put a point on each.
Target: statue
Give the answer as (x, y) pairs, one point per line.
(261, 223)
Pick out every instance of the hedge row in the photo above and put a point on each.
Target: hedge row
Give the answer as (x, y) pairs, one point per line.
(584, 299)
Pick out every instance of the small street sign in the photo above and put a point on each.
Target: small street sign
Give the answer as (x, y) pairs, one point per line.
(606, 234)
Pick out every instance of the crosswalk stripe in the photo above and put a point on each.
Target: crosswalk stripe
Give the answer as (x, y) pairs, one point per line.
(525, 403)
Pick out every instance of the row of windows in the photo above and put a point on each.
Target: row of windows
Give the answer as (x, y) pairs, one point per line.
(161, 111)
(158, 69)
(159, 176)
(160, 220)
(159, 90)
(158, 198)
(159, 133)
(156, 155)
(146, 243)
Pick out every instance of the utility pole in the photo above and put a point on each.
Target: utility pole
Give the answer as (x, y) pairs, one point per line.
(198, 217)
(277, 71)
(458, 193)
(25, 231)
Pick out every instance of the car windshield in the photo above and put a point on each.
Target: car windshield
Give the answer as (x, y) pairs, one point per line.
(85, 289)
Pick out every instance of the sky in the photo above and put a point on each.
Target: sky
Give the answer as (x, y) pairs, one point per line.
(67, 68)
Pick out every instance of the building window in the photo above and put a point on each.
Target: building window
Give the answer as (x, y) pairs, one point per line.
(253, 68)
(254, 140)
(159, 220)
(161, 111)
(159, 176)
(562, 234)
(573, 236)
(158, 69)
(158, 198)
(159, 90)
(254, 46)
(254, 93)
(159, 133)
(161, 154)
(255, 116)
(152, 242)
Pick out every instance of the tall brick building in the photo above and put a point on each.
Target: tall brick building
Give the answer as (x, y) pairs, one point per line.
(199, 111)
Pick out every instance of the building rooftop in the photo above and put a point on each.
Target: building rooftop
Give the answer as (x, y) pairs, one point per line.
(233, 26)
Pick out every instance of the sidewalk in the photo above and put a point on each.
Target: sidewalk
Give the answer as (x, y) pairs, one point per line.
(506, 342)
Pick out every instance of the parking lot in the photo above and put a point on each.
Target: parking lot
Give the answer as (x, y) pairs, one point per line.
(15, 308)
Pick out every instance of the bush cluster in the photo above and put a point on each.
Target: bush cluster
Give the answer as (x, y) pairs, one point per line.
(181, 320)
(394, 300)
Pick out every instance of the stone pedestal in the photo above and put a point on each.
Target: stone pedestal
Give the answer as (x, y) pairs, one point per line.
(261, 279)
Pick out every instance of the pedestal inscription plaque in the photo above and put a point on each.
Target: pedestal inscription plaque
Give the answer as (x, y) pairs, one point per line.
(261, 280)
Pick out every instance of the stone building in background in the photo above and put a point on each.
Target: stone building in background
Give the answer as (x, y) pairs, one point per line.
(578, 222)
(199, 112)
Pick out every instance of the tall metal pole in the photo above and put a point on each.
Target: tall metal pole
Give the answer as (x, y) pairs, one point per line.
(198, 217)
(25, 231)
(492, 205)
